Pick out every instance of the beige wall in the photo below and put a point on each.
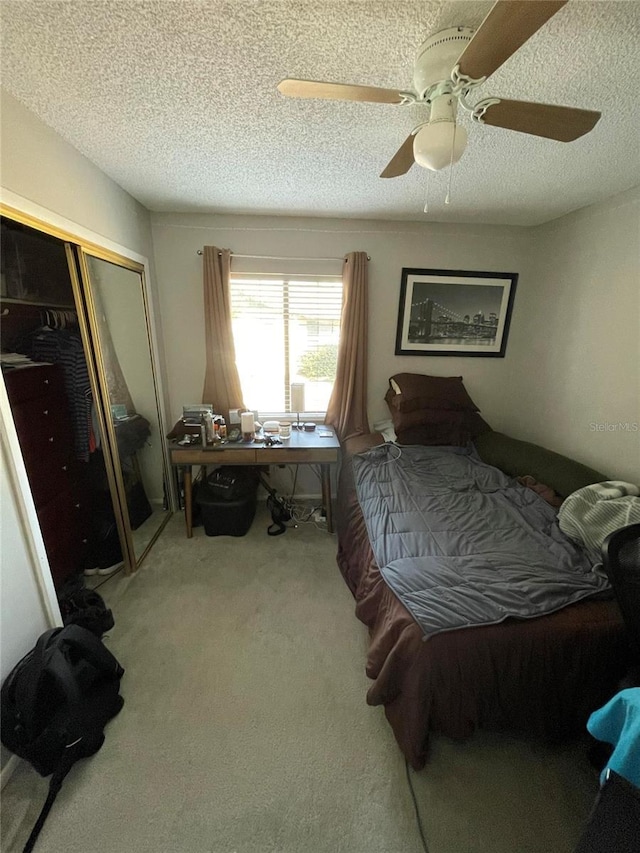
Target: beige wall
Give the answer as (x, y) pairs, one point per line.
(39, 165)
(44, 173)
(573, 357)
(575, 343)
(391, 245)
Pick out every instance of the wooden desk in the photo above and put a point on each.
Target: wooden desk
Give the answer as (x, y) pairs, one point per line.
(303, 448)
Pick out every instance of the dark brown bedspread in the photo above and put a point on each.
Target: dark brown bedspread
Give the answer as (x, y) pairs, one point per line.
(542, 676)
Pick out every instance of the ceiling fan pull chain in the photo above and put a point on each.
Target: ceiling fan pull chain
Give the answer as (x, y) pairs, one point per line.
(426, 192)
(453, 145)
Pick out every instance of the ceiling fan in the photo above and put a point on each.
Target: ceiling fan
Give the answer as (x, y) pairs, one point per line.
(448, 67)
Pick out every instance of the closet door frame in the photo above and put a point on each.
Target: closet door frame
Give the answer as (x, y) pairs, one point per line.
(111, 463)
(22, 491)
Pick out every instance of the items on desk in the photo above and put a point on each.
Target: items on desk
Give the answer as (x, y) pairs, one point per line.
(193, 413)
(247, 426)
(186, 440)
(297, 402)
(209, 431)
(199, 424)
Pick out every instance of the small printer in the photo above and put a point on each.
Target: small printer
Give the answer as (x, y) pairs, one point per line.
(193, 414)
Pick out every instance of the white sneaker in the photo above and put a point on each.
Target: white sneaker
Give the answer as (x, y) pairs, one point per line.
(109, 570)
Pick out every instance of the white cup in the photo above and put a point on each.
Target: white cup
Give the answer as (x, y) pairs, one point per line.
(285, 429)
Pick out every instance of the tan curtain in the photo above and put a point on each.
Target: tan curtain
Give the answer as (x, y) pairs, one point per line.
(221, 381)
(347, 409)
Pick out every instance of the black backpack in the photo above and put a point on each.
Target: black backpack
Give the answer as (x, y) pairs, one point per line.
(55, 703)
(84, 607)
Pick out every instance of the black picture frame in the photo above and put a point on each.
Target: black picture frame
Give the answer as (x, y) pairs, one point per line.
(454, 312)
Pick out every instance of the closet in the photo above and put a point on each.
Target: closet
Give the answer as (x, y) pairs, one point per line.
(77, 363)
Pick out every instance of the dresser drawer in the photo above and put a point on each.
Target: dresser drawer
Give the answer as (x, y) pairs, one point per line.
(43, 416)
(27, 383)
(48, 476)
(62, 534)
(41, 437)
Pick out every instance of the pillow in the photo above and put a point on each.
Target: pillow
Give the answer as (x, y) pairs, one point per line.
(446, 434)
(438, 426)
(421, 417)
(418, 391)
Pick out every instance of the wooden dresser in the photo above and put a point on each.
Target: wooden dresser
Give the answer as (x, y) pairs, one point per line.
(41, 414)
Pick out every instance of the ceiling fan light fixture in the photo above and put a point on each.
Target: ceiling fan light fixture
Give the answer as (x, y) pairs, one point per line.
(439, 144)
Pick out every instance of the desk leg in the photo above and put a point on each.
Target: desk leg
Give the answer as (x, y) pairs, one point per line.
(325, 476)
(188, 500)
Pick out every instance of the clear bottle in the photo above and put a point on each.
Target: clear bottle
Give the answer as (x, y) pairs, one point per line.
(208, 422)
(223, 429)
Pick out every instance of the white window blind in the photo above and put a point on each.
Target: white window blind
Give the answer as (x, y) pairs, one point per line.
(285, 329)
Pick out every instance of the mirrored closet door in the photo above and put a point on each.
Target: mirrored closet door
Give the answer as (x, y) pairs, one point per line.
(118, 320)
(78, 367)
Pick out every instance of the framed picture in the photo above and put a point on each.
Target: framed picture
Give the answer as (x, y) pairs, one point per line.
(454, 312)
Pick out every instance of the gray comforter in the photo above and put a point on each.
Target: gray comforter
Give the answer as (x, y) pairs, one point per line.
(461, 544)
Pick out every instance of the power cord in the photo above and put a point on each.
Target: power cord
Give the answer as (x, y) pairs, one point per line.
(380, 447)
(391, 458)
(301, 513)
(415, 806)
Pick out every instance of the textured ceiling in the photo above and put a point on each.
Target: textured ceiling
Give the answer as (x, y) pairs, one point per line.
(177, 102)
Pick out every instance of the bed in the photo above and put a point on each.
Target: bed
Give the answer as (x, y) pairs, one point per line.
(541, 676)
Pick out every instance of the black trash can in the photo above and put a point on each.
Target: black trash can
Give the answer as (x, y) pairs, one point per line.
(227, 501)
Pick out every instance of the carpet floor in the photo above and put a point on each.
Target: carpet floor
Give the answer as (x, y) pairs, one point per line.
(245, 727)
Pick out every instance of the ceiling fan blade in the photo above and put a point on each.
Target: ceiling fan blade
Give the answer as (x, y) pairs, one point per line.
(562, 123)
(401, 161)
(509, 24)
(338, 91)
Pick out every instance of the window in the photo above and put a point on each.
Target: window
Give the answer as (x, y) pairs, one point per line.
(285, 330)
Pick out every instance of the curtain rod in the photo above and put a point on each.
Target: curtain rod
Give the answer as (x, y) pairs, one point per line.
(280, 257)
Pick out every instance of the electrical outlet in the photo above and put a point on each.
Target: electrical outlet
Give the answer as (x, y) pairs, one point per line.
(319, 516)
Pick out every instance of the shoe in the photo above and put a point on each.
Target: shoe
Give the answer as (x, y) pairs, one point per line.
(109, 570)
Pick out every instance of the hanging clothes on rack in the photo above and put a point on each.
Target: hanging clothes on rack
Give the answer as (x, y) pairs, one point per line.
(57, 319)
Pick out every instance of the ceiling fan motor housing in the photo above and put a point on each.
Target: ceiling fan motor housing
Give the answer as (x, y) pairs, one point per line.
(438, 56)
